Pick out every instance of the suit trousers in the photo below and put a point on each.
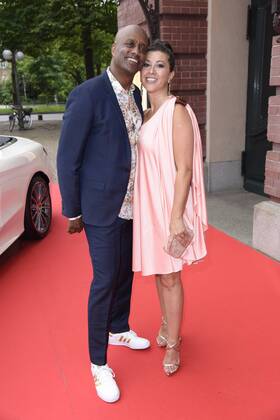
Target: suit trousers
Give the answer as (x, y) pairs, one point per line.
(110, 292)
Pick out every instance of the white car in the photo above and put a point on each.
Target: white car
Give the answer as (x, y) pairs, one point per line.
(25, 201)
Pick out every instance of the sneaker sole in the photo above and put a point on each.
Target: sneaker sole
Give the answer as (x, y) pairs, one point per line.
(109, 401)
(130, 347)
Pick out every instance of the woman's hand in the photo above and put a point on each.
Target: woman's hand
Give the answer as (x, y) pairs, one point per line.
(177, 226)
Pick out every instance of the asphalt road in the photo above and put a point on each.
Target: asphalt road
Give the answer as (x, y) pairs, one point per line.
(45, 132)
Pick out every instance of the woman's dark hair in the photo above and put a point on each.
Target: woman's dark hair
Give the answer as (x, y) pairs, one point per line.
(164, 47)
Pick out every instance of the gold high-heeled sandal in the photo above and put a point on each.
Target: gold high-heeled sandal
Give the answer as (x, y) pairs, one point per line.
(171, 368)
(161, 339)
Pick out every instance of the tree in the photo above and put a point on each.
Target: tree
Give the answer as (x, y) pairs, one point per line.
(18, 23)
(45, 77)
(17, 20)
(80, 26)
(5, 93)
(57, 35)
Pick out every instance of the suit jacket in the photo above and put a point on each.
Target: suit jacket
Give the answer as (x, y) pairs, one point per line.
(94, 153)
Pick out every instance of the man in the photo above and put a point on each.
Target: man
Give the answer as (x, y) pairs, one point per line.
(96, 167)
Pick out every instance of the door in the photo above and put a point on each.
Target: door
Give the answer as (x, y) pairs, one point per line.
(256, 145)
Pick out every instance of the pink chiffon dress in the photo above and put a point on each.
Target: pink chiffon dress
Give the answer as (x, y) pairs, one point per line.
(153, 196)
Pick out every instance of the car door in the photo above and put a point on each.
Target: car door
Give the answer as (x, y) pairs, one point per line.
(13, 185)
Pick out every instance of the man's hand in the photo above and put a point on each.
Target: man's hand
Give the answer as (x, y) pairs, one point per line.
(75, 226)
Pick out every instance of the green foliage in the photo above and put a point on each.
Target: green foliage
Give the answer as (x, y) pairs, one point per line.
(82, 27)
(96, 14)
(39, 109)
(102, 43)
(48, 108)
(45, 77)
(6, 93)
(18, 20)
(64, 42)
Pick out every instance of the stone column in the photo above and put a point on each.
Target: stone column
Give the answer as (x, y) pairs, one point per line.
(266, 229)
(227, 81)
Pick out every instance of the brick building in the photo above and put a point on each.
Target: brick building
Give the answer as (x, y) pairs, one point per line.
(184, 25)
(229, 73)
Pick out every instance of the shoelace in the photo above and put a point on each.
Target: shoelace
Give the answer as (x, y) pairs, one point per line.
(131, 332)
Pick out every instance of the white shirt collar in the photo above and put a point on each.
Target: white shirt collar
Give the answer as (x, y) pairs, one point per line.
(117, 86)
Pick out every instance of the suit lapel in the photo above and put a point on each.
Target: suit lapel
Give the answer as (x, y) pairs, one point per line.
(138, 101)
(110, 91)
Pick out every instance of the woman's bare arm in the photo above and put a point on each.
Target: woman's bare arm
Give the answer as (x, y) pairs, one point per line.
(183, 157)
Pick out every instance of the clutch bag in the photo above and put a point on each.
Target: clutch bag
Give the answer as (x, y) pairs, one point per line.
(177, 244)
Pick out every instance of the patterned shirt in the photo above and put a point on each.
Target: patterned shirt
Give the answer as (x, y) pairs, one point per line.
(133, 121)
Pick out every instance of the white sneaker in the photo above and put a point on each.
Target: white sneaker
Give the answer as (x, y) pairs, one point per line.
(129, 339)
(105, 384)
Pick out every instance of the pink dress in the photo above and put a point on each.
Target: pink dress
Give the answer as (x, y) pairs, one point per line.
(153, 196)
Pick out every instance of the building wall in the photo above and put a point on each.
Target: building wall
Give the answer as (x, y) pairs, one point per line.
(183, 23)
(266, 226)
(226, 92)
(130, 12)
(272, 165)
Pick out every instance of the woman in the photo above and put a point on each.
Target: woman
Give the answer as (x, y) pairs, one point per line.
(169, 195)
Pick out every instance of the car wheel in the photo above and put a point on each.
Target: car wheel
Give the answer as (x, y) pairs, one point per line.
(38, 209)
(27, 121)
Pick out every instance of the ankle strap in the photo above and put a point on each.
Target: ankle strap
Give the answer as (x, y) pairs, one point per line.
(163, 321)
(174, 345)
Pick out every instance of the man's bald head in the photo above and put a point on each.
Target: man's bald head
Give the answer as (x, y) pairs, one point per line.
(128, 53)
(130, 29)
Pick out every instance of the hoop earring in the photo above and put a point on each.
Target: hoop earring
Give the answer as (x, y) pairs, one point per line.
(169, 89)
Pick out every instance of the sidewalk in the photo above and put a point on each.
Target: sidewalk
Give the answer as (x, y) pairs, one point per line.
(229, 211)
(44, 132)
(232, 212)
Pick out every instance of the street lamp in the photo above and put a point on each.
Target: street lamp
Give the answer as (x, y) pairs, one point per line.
(14, 56)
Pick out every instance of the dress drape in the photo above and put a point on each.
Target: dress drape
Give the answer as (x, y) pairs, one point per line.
(154, 192)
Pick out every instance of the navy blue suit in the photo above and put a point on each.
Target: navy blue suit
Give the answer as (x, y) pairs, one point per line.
(93, 164)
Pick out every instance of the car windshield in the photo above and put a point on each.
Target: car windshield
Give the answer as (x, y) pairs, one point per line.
(6, 141)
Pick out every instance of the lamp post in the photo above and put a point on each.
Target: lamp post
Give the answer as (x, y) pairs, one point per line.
(13, 57)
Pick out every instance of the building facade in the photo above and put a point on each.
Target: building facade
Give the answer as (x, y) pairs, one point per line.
(184, 25)
(228, 69)
(223, 51)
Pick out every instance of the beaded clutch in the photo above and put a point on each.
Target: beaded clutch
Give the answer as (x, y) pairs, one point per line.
(177, 244)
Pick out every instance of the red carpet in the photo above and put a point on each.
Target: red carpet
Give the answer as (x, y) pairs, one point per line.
(231, 340)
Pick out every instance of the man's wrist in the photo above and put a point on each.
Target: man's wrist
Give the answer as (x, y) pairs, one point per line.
(75, 218)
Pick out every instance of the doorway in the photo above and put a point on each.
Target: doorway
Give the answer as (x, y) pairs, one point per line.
(256, 145)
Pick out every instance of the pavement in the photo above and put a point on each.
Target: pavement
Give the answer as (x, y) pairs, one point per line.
(232, 212)
(229, 211)
(45, 132)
